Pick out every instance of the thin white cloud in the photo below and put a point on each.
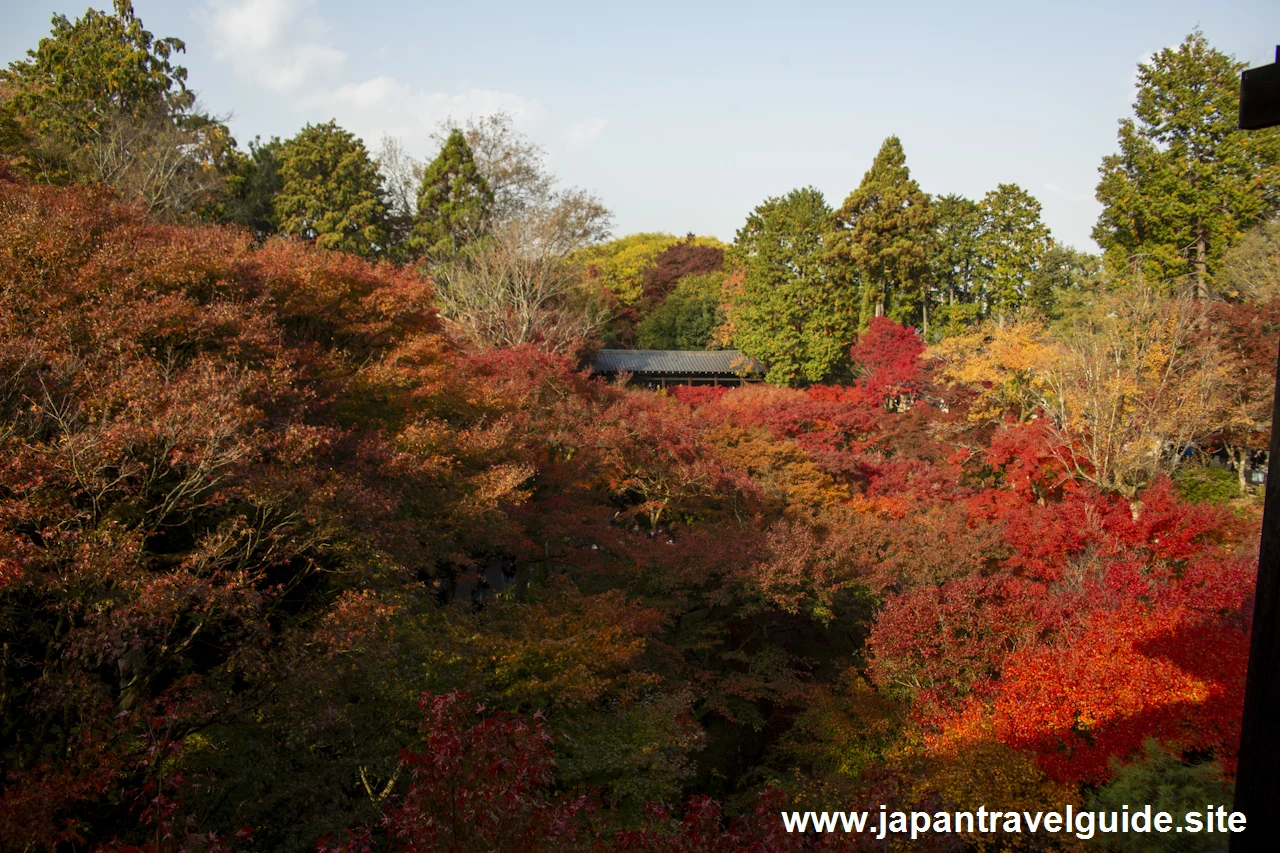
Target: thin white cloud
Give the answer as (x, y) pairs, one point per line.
(1067, 194)
(583, 133)
(285, 46)
(254, 25)
(369, 95)
(276, 43)
(385, 106)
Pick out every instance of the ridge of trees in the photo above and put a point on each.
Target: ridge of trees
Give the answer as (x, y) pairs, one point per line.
(1184, 189)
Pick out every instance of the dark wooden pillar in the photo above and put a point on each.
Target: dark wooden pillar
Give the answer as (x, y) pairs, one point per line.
(1258, 778)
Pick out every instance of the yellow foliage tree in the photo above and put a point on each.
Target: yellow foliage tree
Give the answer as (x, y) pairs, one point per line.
(980, 771)
(1004, 364)
(789, 478)
(1131, 392)
(1127, 391)
(619, 265)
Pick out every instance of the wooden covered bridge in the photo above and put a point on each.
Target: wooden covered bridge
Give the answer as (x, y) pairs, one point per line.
(661, 368)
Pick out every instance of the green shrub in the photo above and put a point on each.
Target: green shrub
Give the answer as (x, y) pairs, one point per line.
(1166, 783)
(1203, 484)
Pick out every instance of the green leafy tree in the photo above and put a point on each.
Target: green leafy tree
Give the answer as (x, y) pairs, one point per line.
(1011, 245)
(797, 310)
(87, 71)
(688, 318)
(252, 186)
(454, 200)
(100, 100)
(331, 192)
(889, 222)
(1186, 184)
(1063, 272)
(12, 139)
(954, 253)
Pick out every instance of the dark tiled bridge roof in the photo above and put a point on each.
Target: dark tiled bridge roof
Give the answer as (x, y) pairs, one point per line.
(727, 362)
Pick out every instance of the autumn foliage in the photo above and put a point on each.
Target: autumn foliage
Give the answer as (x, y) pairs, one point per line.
(282, 564)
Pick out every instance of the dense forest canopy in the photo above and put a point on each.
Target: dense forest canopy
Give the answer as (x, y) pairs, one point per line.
(315, 533)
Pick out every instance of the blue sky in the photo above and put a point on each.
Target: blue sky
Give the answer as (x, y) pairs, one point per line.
(684, 116)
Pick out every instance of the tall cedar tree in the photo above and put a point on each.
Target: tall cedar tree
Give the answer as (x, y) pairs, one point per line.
(954, 261)
(1186, 184)
(797, 311)
(454, 200)
(331, 192)
(1011, 244)
(889, 221)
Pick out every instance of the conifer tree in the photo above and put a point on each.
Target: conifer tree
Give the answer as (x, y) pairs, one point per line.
(1063, 272)
(454, 200)
(1186, 184)
(331, 191)
(889, 222)
(954, 261)
(252, 185)
(1012, 242)
(798, 309)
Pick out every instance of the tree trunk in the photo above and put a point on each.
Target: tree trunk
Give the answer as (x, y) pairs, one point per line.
(924, 308)
(543, 571)
(1202, 277)
(1238, 458)
(522, 582)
